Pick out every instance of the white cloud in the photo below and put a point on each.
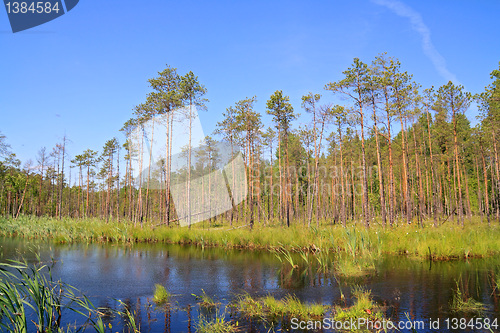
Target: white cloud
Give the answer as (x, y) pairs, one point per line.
(419, 26)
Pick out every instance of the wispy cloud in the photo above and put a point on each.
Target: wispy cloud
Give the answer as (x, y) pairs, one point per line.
(419, 26)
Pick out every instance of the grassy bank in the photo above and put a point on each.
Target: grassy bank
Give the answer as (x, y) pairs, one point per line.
(448, 241)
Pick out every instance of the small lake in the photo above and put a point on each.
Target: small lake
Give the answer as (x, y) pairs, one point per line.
(405, 287)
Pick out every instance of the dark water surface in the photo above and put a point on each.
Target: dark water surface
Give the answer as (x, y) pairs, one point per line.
(420, 290)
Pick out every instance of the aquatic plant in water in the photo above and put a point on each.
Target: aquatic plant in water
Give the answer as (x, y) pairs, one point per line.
(463, 302)
(31, 299)
(161, 295)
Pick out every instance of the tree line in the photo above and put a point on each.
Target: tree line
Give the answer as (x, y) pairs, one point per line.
(391, 152)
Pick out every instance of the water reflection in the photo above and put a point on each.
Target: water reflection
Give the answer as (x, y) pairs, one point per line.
(108, 273)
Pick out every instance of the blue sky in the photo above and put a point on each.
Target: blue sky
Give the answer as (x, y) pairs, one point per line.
(82, 74)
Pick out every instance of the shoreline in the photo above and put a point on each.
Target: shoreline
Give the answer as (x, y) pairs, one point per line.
(444, 243)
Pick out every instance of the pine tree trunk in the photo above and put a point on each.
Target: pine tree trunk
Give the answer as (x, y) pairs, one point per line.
(391, 164)
(149, 166)
(460, 203)
(343, 210)
(379, 163)
(479, 194)
(365, 176)
(404, 187)
(433, 181)
(485, 175)
(419, 180)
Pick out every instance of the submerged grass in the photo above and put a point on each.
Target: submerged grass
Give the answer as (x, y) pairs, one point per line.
(347, 266)
(463, 302)
(446, 242)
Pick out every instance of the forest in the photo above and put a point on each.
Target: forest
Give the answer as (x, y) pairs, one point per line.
(391, 152)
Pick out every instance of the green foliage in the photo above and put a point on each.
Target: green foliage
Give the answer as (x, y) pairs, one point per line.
(192, 91)
(280, 108)
(4, 147)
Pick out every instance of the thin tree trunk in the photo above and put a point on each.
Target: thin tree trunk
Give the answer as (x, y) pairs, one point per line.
(379, 163)
(343, 210)
(391, 164)
(455, 140)
(485, 175)
(149, 165)
(479, 194)
(433, 181)
(404, 184)
(24, 194)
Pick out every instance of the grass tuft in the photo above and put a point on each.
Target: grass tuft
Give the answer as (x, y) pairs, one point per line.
(363, 307)
(161, 295)
(206, 301)
(249, 306)
(270, 308)
(217, 325)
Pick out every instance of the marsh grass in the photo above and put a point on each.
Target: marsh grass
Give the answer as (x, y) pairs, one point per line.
(448, 241)
(206, 301)
(161, 295)
(130, 323)
(249, 306)
(219, 324)
(269, 308)
(324, 261)
(363, 307)
(462, 301)
(495, 280)
(348, 267)
(284, 255)
(31, 300)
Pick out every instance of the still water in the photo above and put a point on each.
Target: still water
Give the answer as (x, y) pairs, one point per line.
(404, 287)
